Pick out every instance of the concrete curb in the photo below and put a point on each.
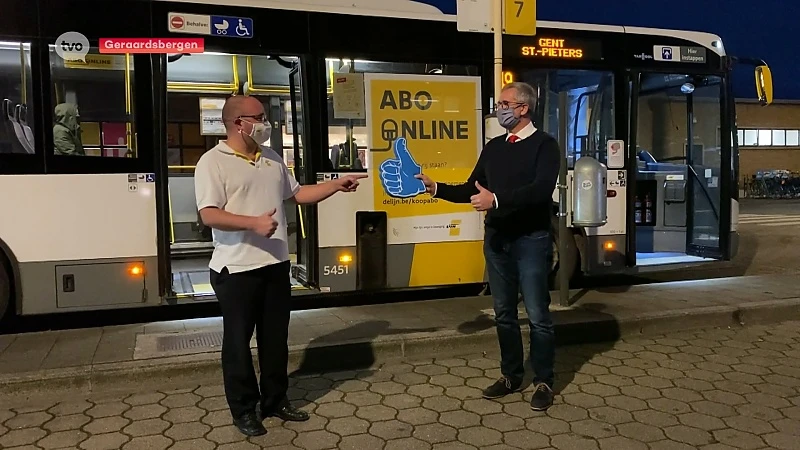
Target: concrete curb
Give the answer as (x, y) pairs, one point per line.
(201, 368)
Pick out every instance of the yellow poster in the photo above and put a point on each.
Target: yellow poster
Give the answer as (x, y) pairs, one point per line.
(102, 62)
(428, 124)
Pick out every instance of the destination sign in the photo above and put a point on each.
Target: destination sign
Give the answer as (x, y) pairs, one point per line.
(546, 47)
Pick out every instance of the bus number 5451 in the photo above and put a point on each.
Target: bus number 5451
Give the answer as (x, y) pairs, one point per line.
(341, 269)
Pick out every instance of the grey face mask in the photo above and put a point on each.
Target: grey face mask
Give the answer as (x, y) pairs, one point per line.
(507, 118)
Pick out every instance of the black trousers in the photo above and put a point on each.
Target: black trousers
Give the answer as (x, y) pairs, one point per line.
(257, 299)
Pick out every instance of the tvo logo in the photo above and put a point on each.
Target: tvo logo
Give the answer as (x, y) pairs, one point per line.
(72, 46)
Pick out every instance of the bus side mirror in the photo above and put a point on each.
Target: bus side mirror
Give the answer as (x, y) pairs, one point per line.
(764, 85)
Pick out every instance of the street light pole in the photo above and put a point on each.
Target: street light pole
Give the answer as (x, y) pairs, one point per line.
(563, 242)
(497, 28)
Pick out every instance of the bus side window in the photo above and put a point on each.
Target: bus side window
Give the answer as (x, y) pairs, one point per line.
(93, 105)
(347, 139)
(16, 110)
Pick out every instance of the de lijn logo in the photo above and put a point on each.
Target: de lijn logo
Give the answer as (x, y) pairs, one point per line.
(72, 46)
(398, 175)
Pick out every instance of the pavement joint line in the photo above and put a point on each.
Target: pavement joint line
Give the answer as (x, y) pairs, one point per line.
(92, 377)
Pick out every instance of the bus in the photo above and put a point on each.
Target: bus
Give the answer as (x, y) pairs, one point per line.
(97, 154)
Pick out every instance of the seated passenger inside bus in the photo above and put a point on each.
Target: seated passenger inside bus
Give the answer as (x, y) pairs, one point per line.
(67, 130)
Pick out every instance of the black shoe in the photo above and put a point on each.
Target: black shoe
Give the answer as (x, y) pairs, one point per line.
(290, 414)
(501, 388)
(542, 397)
(250, 425)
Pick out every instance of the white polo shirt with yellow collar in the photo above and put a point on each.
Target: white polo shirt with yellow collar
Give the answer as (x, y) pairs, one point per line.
(232, 182)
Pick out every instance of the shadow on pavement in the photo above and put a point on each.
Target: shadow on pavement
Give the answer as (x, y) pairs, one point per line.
(581, 335)
(482, 322)
(350, 349)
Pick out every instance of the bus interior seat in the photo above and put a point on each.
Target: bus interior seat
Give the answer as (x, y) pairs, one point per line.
(647, 162)
(9, 145)
(6, 128)
(24, 137)
(646, 156)
(22, 120)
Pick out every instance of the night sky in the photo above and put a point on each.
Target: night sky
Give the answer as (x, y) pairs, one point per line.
(748, 28)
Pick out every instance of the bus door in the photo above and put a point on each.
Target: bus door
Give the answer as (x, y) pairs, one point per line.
(681, 200)
(197, 86)
(301, 267)
(708, 160)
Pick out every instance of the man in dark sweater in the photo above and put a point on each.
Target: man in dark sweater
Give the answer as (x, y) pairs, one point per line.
(513, 182)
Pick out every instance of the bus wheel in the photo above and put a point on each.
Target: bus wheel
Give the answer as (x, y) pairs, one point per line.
(5, 289)
(571, 259)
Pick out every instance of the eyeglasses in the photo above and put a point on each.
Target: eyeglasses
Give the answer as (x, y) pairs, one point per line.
(258, 117)
(506, 105)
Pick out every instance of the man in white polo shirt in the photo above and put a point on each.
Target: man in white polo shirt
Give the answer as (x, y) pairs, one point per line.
(240, 187)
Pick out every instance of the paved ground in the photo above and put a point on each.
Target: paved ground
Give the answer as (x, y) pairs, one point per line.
(769, 238)
(405, 329)
(769, 206)
(710, 389)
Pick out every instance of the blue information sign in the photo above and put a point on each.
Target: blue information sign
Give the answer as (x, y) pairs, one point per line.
(227, 26)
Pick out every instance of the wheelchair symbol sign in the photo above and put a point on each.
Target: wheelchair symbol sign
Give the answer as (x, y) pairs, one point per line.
(242, 30)
(237, 27)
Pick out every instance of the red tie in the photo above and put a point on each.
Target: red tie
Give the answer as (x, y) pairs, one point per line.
(513, 138)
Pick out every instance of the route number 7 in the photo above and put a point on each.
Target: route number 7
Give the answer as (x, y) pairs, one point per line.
(519, 17)
(519, 4)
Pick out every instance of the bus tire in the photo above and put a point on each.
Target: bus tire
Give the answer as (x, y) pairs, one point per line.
(572, 257)
(5, 288)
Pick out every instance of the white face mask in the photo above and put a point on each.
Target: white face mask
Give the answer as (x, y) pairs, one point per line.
(261, 132)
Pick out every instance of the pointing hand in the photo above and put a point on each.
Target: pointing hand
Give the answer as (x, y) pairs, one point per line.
(348, 183)
(398, 175)
(483, 200)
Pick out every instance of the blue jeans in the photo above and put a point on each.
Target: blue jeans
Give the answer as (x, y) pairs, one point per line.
(522, 264)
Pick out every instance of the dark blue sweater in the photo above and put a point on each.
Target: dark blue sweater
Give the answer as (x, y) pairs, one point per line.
(522, 175)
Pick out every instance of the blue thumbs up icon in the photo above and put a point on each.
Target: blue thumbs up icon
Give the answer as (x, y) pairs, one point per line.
(398, 174)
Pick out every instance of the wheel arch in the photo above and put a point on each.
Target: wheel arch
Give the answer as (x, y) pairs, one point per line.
(9, 261)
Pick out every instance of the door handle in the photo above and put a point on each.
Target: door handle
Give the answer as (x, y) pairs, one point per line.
(68, 282)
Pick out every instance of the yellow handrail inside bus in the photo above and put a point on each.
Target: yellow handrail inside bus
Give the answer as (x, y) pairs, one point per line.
(256, 89)
(128, 129)
(217, 88)
(181, 167)
(171, 223)
(330, 74)
(299, 213)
